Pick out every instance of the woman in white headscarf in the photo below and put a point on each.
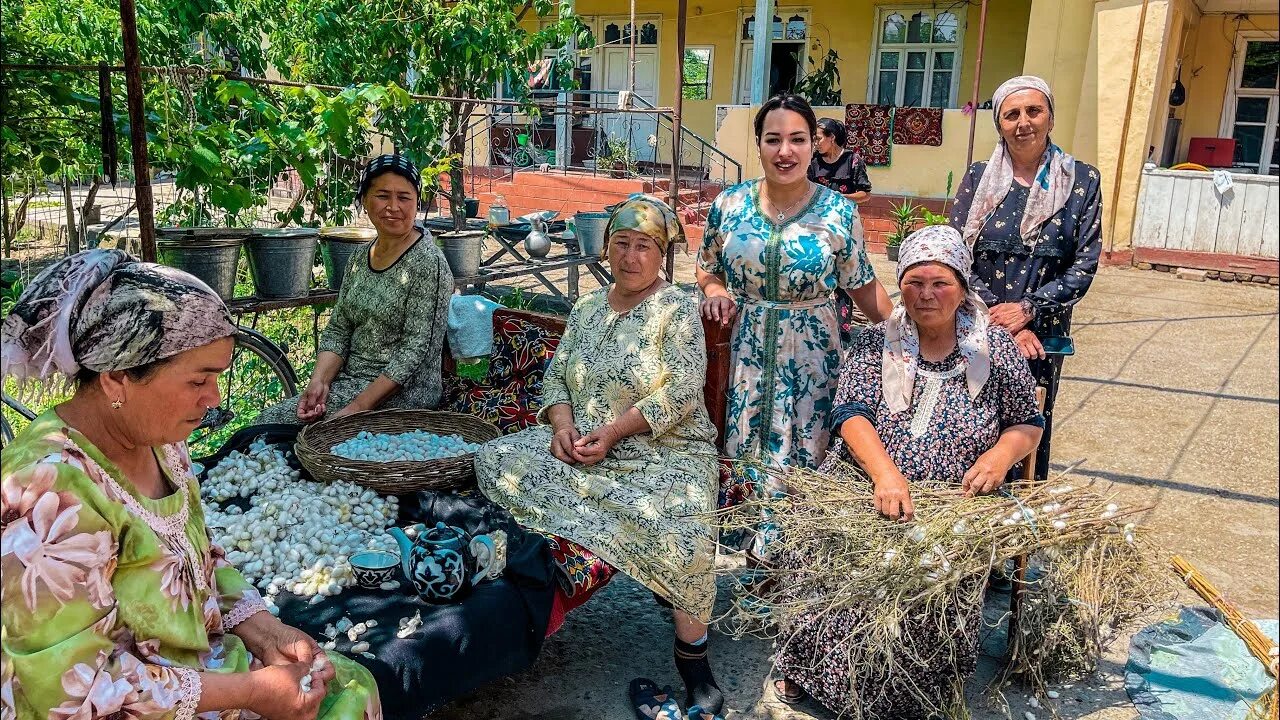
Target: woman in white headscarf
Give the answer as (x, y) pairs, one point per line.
(1033, 216)
(935, 395)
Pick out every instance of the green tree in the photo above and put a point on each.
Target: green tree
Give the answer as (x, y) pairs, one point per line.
(457, 49)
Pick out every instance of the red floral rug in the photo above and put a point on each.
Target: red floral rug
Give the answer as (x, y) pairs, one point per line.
(917, 126)
(870, 130)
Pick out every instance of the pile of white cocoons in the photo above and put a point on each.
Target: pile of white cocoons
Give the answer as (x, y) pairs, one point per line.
(297, 535)
(417, 445)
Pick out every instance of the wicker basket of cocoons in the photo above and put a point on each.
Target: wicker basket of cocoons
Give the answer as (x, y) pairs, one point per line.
(318, 450)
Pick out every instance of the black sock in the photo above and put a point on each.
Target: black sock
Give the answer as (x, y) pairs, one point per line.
(691, 662)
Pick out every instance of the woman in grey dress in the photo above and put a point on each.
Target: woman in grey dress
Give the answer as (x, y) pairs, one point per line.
(383, 345)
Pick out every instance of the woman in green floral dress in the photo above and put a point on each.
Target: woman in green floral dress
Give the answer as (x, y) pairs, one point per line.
(117, 604)
(385, 337)
(774, 252)
(623, 462)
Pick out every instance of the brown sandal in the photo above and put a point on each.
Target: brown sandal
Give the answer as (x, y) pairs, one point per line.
(793, 698)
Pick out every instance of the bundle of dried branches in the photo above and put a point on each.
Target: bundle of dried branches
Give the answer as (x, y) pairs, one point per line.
(836, 557)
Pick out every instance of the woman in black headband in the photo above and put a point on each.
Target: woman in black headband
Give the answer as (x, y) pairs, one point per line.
(386, 334)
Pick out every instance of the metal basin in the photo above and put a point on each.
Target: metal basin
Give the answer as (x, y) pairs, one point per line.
(337, 245)
(588, 228)
(211, 254)
(462, 250)
(280, 261)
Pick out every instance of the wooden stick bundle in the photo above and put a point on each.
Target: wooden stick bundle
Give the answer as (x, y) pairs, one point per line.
(1259, 644)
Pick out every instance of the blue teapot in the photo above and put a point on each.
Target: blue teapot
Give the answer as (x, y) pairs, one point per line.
(443, 562)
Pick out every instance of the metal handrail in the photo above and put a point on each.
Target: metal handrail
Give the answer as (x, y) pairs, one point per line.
(684, 131)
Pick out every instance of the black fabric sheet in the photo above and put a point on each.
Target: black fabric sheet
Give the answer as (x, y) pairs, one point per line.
(495, 631)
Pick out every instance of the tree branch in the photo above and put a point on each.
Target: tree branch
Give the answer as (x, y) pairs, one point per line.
(528, 5)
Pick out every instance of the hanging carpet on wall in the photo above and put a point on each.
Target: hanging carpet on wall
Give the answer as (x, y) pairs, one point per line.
(870, 130)
(917, 126)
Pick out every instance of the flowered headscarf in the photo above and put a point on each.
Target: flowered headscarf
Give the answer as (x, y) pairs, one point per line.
(103, 310)
(1049, 192)
(901, 356)
(649, 215)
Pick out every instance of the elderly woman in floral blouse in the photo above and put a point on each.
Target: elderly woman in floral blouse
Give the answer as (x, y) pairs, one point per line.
(624, 462)
(937, 395)
(116, 601)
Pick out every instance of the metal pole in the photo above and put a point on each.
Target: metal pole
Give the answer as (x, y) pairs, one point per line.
(564, 113)
(631, 50)
(673, 193)
(73, 238)
(138, 131)
(761, 46)
(977, 80)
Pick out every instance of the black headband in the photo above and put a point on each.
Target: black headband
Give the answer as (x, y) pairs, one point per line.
(383, 164)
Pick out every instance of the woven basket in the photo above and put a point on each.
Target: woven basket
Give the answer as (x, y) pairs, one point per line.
(315, 443)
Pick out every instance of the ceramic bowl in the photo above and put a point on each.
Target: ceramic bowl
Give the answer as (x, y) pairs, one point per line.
(372, 568)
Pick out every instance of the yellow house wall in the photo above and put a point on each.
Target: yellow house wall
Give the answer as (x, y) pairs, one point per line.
(1206, 73)
(1057, 50)
(846, 25)
(917, 170)
(1090, 120)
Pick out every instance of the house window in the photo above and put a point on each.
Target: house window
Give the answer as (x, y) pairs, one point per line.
(796, 28)
(1253, 105)
(696, 83)
(916, 61)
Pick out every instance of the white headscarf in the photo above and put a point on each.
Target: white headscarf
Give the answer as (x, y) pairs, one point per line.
(901, 355)
(1052, 186)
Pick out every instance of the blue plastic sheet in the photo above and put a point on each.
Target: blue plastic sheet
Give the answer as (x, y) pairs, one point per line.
(1195, 668)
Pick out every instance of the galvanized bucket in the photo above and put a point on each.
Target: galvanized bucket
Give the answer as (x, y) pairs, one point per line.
(588, 228)
(211, 254)
(280, 261)
(462, 251)
(337, 245)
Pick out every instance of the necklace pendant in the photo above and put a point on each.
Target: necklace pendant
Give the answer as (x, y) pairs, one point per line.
(781, 216)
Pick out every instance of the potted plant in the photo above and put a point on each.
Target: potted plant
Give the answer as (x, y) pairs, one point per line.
(821, 85)
(905, 216)
(617, 158)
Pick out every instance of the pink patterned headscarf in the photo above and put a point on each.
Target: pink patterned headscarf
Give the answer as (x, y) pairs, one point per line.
(901, 356)
(103, 310)
(1052, 186)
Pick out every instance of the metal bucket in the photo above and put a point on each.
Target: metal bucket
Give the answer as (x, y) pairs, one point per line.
(211, 254)
(462, 251)
(280, 261)
(337, 245)
(588, 228)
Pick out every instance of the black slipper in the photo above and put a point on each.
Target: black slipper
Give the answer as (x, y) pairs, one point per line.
(650, 703)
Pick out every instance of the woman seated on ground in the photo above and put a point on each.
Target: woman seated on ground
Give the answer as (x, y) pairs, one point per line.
(624, 461)
(385, 336)
(117, 603)
(935, 395)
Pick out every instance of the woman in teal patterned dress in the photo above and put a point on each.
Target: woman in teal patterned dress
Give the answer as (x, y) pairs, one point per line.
(774, 252)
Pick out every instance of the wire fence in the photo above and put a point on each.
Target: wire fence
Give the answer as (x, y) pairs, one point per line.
(47, 216)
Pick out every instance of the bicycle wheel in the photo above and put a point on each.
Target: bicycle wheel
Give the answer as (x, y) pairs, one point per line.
(13, 408)
(260, 376)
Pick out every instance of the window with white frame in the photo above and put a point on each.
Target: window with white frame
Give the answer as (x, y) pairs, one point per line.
(1254, 103)
(916, 62)
(696, 83)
